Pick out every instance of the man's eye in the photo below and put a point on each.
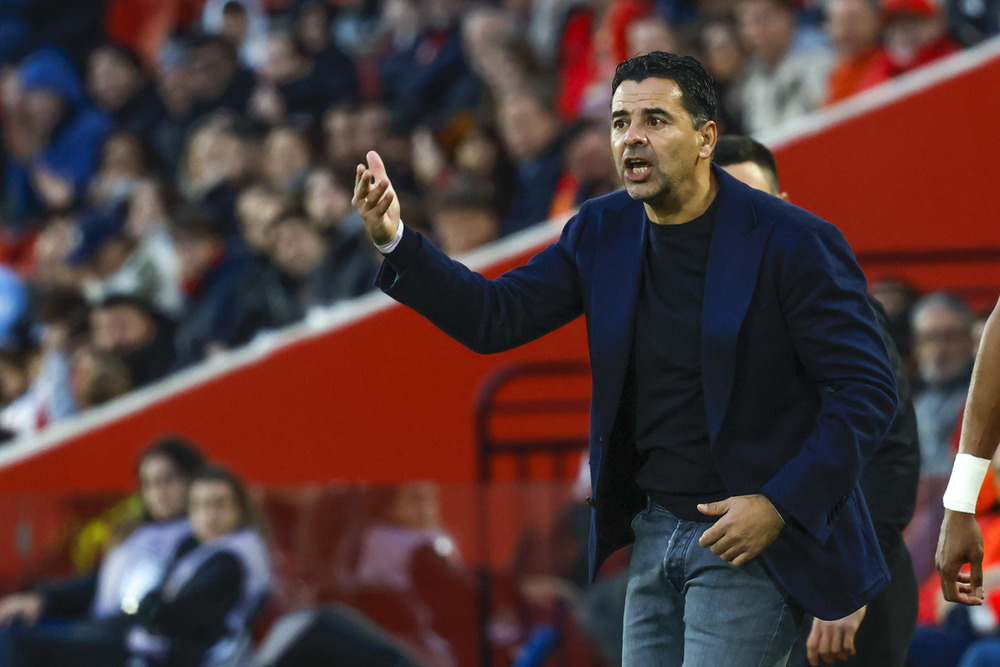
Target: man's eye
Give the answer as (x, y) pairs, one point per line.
(655, 121)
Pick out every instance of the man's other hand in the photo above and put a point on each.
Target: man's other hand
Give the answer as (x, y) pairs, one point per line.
(747, 526)
(375, 200)
(831, 641)
(961, 542)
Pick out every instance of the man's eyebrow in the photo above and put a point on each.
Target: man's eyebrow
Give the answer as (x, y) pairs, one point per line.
(649, 111)
(619, 113)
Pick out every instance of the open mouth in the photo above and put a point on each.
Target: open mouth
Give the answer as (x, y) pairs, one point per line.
(637, 169)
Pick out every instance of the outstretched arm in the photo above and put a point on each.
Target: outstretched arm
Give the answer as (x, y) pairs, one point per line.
(961, 540)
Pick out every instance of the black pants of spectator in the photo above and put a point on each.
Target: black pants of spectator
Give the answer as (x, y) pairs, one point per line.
(885, 633)
(330, 635)
(57, 643)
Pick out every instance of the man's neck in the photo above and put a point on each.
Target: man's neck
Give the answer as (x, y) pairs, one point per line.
(686, 203)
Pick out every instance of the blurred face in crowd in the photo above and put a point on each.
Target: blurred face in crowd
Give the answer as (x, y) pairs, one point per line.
(123, 157)
(906, 34)
(650, 34)
(284, 63)
(121, 329)
(146, 209)
(853, 26)
(483, 32)
(895, 296)
(214, 155)
(196, 252)
(338, 131)
(209, 71)
(214, 509)
(373, 124)
(767, 27)
(257, 210)
(416, 506)
(478, 154)
(298, 247)
(44, 110)
(326, 202)
(314, 27)
(286, 157)
(723, 55)
(164, 488)
(13, 381)
(654, 141)
(528, 128)
(175, 89)
(461, 230)
(111, 79)
(235, 23)
(591, 162)
(52, 249)
(943, 344)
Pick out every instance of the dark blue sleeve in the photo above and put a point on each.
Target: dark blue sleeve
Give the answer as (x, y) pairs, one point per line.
(838, 341)
(487, 315)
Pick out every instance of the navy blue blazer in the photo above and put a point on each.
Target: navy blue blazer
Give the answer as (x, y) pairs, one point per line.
(797, 384)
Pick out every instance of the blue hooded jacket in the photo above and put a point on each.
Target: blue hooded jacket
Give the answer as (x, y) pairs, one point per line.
(74, 148)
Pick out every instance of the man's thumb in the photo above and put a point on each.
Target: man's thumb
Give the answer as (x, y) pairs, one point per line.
(375, 164)
(714, 509)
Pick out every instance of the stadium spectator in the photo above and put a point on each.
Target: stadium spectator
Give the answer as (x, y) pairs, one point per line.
(464, 218)
(326, 271)
(287, 157)
(531, 133)
(118, 86)
(202, 610)
(210, 271)
(897, 296)
(83, 621)
(215, 77)
(97, 377)
(214, 165)
(854, 28)
(49, 398)
(942, 335)
(127, 328)
(54, 137)
(426, 79)
(243, 22)
(123, 163)
(786, 74)
(590, 169)
(914, 34)
(723, 56)
(327, 203)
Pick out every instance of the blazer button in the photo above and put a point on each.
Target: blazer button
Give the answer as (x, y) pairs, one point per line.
(590, 501)
(600, 438)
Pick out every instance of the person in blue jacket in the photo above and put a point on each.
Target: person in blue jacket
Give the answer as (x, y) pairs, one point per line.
(740, 380)
(59, 137)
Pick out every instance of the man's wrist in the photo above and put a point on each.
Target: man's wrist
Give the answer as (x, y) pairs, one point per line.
(390, 245)
(966, 480)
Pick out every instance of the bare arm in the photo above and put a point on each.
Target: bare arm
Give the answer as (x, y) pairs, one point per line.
(961, 540)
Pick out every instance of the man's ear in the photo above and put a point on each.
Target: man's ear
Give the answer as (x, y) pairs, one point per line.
(709, 135)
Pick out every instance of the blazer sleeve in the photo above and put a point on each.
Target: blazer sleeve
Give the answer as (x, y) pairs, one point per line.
(487, 315)
(839, 344)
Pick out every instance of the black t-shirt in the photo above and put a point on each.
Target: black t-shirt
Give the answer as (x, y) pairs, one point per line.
(671, 424)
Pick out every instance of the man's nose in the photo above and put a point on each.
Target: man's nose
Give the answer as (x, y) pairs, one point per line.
(634, 135)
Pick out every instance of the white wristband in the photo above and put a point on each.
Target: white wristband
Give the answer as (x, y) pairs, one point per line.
(386, 248)
(966, 479)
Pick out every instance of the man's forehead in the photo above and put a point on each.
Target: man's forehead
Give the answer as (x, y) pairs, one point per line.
(648, 93)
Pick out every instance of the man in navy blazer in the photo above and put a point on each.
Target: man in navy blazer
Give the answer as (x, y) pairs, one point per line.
(740, 381)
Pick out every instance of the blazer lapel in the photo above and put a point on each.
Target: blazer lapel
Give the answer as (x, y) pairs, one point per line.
(734, 259)
(613, 298)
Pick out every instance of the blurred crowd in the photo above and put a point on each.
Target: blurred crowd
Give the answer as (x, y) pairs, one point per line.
(177, 178)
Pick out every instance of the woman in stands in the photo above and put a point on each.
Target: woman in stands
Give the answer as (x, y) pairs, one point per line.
(202, 612)
(84, 621)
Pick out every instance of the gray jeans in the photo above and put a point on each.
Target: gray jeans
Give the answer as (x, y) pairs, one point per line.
(686, 606)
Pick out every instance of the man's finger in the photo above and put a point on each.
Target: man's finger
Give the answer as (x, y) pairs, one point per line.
(812, 644)
(715, 509)
(382, 207)
(376, 165)
(376, 192)
(743, 559)
(712, 535)
(949, 582)
(849, 641)
(976, 579)
(825, 643)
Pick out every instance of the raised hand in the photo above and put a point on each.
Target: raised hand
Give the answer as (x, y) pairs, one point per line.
(25, 606)
(961, 542)
(748, 525)
(375, 200)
